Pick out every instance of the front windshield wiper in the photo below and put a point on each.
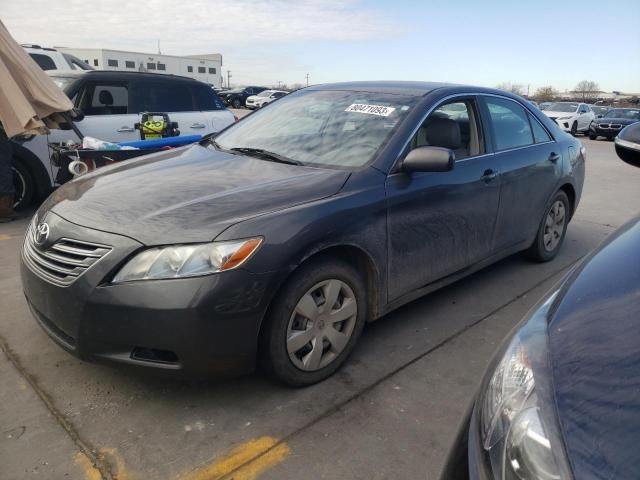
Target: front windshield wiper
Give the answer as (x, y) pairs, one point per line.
(267, 155)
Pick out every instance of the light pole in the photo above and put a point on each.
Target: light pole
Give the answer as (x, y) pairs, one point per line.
(229, 79)
(307, 76)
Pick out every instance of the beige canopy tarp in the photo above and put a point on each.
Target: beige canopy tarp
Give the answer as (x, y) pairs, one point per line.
(29, 100)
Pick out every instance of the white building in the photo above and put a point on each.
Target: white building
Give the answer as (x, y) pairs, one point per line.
(206, 68)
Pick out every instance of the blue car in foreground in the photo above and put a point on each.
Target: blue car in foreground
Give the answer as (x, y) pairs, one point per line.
(561, 399)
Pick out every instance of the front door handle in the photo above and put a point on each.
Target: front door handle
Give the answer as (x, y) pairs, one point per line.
(554, 157)
(125, 129)
(198, 125)
(489, 175)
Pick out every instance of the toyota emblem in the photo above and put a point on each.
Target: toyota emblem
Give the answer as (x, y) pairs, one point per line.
(41, 234)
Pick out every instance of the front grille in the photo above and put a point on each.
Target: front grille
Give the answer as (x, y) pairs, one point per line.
(63, 262)
(610, 126)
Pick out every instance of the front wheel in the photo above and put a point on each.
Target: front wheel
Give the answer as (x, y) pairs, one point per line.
(592, 136)
(314, 323)
(574, 128)
(23, 184)
(552, 229)
(236, 103)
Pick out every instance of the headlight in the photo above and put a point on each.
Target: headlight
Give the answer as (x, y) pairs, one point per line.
(187, 260)
(516, 411)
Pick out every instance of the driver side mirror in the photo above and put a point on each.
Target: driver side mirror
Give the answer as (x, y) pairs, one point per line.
(429, 159)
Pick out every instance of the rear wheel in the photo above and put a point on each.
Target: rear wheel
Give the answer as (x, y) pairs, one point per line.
(236, 103)
(314, 323)
(24, 185)
(552, 229)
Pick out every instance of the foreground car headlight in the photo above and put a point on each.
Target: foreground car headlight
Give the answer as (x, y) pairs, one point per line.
(187, 260)
(516, 415)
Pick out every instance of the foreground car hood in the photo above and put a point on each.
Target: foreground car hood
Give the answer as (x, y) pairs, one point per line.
(549, 113)
(187, 195)
(594, 340)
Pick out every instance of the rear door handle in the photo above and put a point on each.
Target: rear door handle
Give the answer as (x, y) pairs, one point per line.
(554, 157)
(124, 129)
(198, 125)
(489, 175)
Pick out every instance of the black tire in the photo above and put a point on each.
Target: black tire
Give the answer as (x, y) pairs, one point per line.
(538, 252)
(236, 103)
(574, 128)
(24, 185)
(593, 136)
(273, 354)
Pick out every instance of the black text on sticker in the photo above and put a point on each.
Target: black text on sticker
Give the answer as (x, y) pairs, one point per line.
(379, 110)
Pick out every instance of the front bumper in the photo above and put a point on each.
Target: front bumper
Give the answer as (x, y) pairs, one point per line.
(563, 124)
(609, 132)
(205, 325)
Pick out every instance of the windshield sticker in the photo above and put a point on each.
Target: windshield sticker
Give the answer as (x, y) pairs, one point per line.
(378, 110)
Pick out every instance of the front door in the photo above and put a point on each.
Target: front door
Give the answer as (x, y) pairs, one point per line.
(440, 223)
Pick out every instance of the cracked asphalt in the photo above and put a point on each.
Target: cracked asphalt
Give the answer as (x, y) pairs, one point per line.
(391, 413)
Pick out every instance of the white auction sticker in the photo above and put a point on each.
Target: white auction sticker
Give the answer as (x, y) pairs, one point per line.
(379, 110)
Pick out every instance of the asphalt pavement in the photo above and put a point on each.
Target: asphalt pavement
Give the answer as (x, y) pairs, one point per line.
(390, 413)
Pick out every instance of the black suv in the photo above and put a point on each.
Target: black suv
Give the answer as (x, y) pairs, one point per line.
(238, 96)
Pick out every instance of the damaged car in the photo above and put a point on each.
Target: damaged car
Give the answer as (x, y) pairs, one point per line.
(272, 243)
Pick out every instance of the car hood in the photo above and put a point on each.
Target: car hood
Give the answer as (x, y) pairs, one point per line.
(187, 195)
(594, 343)
(621, 121)
(550, 113)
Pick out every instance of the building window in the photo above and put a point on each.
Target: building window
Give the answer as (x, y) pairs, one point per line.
(202, 70)
(161, 66)
(130, 64)
(212, 71)
(151, 66)
(112, 63)
(190, 69)
(95, 62)
(86, 61)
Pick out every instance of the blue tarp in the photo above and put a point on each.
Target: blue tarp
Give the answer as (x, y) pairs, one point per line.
(163, 142)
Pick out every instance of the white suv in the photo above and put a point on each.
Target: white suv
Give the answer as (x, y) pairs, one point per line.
(572, 117)
(52, 59)
(112, 102)
(263, 98)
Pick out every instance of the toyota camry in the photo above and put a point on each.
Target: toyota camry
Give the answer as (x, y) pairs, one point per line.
(274, 242)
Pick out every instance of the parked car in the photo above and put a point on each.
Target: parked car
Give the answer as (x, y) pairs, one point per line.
(237, 97)
(599, 110)
(628, 144)
(263, 98)
(112, 102)
(614, 121)
(560, 399)
(274, 242)
(544, 105)
(571, 117)
(52, 59)
(535, 104)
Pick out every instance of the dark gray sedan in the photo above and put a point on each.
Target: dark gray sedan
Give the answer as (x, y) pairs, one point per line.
(273, 243)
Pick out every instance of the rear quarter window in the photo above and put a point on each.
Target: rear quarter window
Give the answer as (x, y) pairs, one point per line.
(205, 99)
(43, 61)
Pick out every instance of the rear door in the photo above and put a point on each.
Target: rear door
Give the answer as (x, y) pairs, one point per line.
(440, 223)
(210, 108)
(529, 161)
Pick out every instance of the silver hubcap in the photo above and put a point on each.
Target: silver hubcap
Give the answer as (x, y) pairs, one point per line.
(554, 226)
(321, 325)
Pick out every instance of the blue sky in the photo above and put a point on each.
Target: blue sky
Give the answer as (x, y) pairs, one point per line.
(534, 43)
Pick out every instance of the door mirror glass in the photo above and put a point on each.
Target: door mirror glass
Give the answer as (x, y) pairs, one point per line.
(429, 159)
(628, 144)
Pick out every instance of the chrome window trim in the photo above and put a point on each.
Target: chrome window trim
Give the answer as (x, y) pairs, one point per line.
(394, 168)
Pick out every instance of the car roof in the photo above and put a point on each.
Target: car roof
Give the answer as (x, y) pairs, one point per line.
(118, 75)
(387, 86)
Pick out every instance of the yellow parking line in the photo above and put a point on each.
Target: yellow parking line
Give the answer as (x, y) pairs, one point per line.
(5, 237)
(245, 462)
(90, 472)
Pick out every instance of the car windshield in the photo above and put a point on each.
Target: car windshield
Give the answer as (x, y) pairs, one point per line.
(338, 129)
(599, 110)
(562, 107)
(626, 113)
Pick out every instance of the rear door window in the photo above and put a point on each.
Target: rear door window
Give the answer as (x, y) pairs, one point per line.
(509, 122)
(43, 61)
(205, 98)
(540, 135)
(161, 96)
